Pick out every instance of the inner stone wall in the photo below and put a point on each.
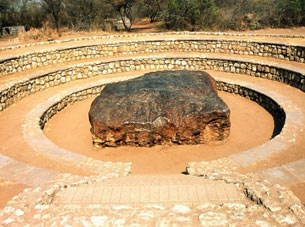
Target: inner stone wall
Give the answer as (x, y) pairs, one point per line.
(68, 100)
(277, 112)
(39, 59)
(266, 102)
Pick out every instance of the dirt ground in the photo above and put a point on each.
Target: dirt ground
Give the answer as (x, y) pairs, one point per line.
(246, 132)
(8, 190)
(140, 26)
(298, 190)
(278, 31)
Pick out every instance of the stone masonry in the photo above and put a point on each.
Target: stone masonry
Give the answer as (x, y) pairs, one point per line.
(39, 59)
(21, 89)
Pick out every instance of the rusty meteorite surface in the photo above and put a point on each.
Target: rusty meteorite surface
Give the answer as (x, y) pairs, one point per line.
(168, 107)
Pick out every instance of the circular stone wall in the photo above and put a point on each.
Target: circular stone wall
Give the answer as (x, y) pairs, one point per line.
(245, 133)
(23, 128)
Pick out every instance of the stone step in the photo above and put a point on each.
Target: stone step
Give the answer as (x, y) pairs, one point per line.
(278, 175)
(23, 173)
(297, 168)
(286, 175)
(169, 189)
(72, 43)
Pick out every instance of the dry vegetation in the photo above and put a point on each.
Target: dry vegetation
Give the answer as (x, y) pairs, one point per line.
(88, 15)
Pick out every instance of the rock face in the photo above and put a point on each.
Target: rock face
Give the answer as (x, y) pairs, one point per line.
(168, 107)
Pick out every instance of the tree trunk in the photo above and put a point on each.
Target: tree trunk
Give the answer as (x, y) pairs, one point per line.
(123, 16)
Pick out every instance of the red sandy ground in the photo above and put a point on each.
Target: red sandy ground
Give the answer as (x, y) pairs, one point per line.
(8, 190)
(70, 129)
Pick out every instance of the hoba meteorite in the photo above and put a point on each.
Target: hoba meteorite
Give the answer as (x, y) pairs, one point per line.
(168, 107)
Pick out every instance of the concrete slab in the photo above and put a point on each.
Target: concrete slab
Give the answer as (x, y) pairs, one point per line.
(297, 168)
(151, 189)
(278, 175)
(4, 160)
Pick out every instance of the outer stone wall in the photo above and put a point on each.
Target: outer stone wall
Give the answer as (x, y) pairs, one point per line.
(35, 60)
(148, 35)
(21, 89)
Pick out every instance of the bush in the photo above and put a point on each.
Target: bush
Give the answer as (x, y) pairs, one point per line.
(190, 14)
(292, 12)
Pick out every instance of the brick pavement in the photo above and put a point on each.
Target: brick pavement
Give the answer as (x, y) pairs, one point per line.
(164, 189)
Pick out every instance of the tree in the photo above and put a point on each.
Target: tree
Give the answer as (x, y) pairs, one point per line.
(82, 13)
(177, 14)
(4, 5)
(292, 12)
(266, 12)
(125, 8)
(152, 8)
(54, 7)
(9, 14)
(208, 13)
(188, 14)
(31, 14)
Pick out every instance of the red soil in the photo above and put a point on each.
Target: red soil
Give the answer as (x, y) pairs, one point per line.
(70, 129)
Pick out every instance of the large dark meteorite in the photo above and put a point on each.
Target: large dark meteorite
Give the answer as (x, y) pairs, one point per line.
(168, 107)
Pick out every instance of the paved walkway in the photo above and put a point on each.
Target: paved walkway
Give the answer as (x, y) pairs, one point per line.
(23, 173)
(288, 174)
(136, 190)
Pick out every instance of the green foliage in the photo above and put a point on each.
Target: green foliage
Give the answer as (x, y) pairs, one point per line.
(292, 12)
(190, 14)
(31, 15)
(81, 13)
(4, 6)
(152, 9)
(257, 14)
(209, 14)
(54, 7)
(21, 12)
